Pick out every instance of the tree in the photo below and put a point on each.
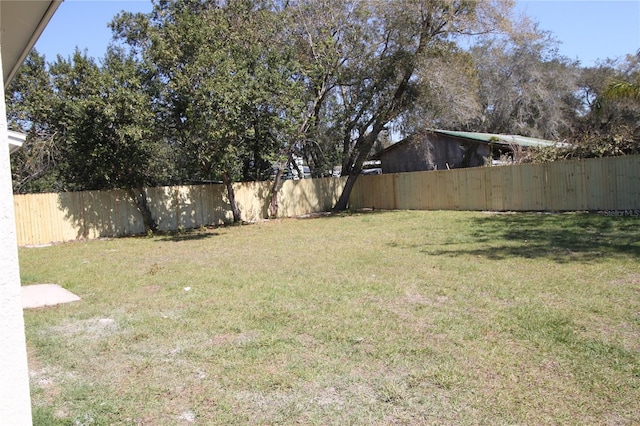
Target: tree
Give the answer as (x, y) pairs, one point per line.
(320, 31)
(384, 51)
(608, 124)
(526, 86)
(231, 90)
(626, 89)
(103, 117)
(234, 86)
(29, 100)
(450, 92)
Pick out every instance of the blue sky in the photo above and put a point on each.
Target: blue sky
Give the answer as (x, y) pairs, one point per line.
(587, 29)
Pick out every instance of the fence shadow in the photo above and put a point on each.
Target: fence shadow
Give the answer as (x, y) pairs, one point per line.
(98, 214)
(566, 237)
(194, 206)
(306, 196)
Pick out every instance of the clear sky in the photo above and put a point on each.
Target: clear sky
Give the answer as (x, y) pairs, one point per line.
(587, 29)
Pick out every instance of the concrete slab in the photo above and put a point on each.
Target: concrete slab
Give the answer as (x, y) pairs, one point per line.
(39, 295)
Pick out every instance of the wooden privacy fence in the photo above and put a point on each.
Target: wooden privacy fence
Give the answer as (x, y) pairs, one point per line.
(593, 184)
(46, 218)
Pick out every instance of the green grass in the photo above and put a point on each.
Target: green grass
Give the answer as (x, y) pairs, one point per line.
(376, 318)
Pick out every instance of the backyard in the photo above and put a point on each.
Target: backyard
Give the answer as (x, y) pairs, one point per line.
(404, 317)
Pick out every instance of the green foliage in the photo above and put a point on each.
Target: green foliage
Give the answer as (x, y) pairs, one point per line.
(623, 89)
(232, 92)
(525, 86)
(615, 142)
(628, 88)
(104, 120)
(230, 95)
(29, 97)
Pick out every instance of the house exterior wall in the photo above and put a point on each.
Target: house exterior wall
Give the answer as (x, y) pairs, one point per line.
(434, 152)
(15, 401)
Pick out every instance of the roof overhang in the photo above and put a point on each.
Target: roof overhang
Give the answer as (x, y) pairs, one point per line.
(16, 140)
(499, 139)
(21, 23)
(508, 141)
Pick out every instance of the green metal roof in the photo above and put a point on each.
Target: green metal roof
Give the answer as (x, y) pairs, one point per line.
(500, 139)
(488, 138)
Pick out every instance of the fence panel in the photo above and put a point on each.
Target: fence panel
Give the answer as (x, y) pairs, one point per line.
(593, 184)
(374, 191)
(475, 195)
(46, 218)
(300, 197)
(628, 184)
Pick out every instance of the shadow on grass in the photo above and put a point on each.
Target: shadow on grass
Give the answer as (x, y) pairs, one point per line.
(561, 237)
(342, 214)
(187, 236)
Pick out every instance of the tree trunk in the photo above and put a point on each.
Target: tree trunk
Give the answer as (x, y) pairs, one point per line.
(228, 183)
(343, 201)
(273, 204)
(139, 197)
(362, 146)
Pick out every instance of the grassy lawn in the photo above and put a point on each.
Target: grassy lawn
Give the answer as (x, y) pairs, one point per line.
(370, 318)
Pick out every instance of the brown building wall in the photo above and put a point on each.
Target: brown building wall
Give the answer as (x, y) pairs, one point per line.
(433, 152)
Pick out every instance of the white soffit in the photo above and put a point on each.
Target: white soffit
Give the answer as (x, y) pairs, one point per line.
(21, 23)
(16, 140)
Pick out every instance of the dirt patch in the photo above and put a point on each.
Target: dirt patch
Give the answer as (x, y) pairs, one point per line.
(91, 328)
